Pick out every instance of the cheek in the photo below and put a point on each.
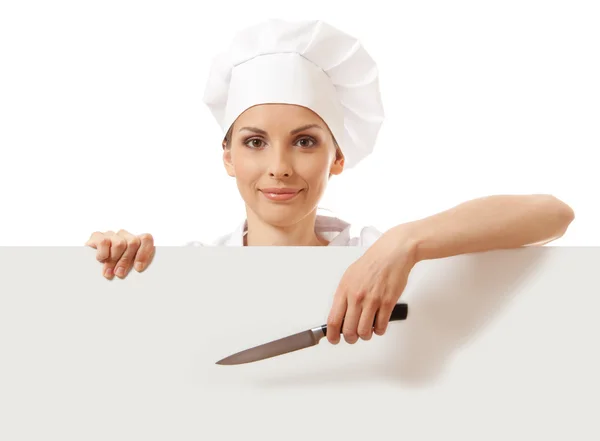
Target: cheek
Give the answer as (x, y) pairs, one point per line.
(246, 168)
(315, 171)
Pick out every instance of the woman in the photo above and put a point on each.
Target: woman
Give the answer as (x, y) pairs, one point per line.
(300, 102)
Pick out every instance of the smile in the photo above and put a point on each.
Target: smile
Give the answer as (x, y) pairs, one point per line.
(280, 194)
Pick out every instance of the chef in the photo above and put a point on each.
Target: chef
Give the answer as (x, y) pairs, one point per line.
(299, 103)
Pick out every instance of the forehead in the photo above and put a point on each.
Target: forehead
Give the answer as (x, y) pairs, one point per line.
(279, 115)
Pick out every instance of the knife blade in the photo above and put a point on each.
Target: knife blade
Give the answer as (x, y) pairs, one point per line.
(295, 342)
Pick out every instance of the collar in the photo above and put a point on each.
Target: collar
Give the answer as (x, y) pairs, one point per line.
(335, 230)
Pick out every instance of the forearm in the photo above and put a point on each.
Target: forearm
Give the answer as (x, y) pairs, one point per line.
(493, 222)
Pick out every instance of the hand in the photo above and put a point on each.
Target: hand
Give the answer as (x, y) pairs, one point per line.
(121, 251)
(370, 288)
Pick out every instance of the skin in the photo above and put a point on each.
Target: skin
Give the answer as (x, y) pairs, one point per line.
(282, 156)
(372, 285)
(286, 152)
(274, 146)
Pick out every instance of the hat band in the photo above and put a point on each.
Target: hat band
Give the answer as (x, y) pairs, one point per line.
(284, 78)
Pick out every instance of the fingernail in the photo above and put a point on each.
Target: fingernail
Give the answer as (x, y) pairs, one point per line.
(120, 271)
(108, 272)
(139, 266)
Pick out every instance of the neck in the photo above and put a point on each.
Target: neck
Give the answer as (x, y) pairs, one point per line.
(302, 233)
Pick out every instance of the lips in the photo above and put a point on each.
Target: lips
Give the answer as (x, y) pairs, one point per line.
(280, 190)
(280, 194)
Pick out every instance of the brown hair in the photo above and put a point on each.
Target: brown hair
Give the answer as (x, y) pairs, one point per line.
(227, 139)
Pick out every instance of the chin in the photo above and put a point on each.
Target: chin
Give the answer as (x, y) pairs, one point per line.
(281, 215)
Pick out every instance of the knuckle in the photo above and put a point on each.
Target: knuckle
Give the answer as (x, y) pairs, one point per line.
(119, 243)
(134, 242)
(146, 237)
(363, 333)
(125, 261)
(373, 301)
(350, 334)
(359, 296)
(333, 325)
(388, 303)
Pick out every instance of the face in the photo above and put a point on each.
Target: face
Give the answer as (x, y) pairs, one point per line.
(282, 156)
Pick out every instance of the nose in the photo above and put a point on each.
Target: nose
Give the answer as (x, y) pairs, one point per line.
(280, 165)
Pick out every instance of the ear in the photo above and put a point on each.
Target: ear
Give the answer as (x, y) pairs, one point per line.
(338, 165)
(227, 162)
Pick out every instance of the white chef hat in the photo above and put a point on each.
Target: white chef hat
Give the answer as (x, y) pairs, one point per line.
(307, 63)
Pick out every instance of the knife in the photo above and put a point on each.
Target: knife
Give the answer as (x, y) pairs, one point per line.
(295, 342)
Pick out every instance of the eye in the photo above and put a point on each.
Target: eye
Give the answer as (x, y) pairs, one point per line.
(306, 142)
(254, 143)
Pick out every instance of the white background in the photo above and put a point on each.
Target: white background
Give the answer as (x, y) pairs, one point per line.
(102, 124)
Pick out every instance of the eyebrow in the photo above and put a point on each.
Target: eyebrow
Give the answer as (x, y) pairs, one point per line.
(306, 127)
(293, 132)
(253, 129)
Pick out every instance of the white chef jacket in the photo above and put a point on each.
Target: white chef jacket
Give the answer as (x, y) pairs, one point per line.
(336, 231)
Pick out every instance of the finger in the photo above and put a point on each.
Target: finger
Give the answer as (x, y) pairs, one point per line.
(93, 240)
(336, 317)
(118, 245)
(367, 319)
(103, 252)
(101, 244)
(125, 262)
(145, 254)
(353, 313)
(383, 316)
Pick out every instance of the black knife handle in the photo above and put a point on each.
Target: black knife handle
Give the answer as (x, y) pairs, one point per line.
(400, 312)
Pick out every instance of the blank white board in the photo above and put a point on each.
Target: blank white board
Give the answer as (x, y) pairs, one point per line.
(499, 345)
